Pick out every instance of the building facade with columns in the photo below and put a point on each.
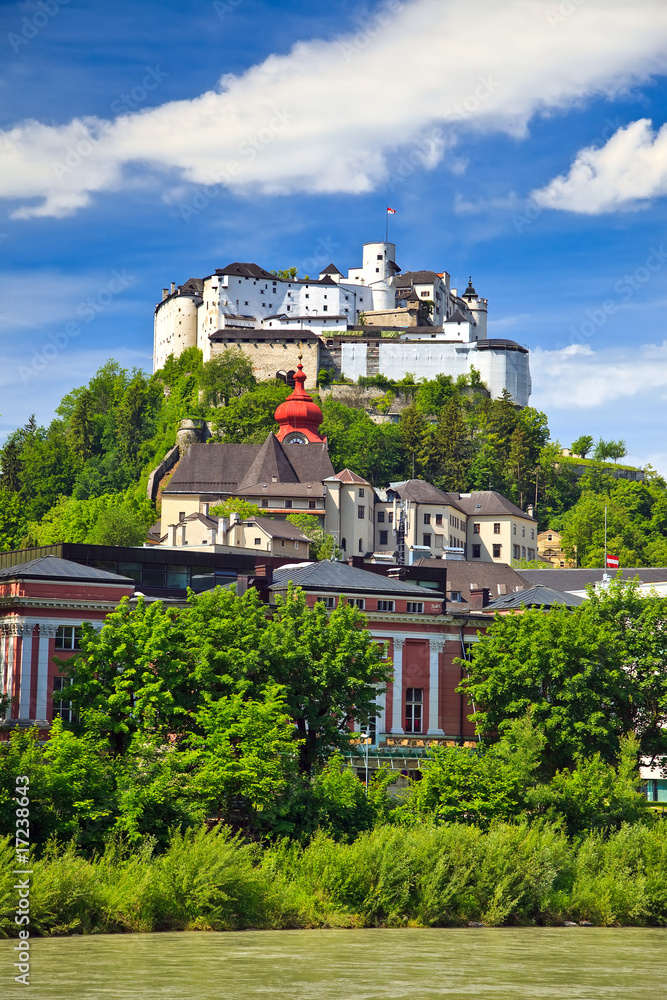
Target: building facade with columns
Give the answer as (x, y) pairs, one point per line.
(42, 605)
(423, 642)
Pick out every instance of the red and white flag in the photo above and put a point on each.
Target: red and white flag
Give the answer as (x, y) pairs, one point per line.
(613, 562)
(391, 211)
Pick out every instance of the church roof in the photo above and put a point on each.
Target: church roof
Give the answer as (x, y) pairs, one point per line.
(221, 468)
(470, 292)
(270, 461)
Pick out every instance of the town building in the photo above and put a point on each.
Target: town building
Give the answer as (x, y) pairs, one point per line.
(550, 548)
(42, 605)
(374, 321)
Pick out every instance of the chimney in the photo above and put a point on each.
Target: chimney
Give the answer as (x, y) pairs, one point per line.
(479, 598)
(172, 534)
(234, 519)
(165, 293)
(182, 529)
(212, 535)
(173, 287)
(241, 584)
(530, 510)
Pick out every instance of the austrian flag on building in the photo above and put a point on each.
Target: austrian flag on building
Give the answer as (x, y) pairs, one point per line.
(613, 562)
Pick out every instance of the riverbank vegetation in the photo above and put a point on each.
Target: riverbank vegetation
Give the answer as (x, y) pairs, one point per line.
(431, 875)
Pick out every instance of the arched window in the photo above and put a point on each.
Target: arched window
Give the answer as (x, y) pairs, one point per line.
(343, 544)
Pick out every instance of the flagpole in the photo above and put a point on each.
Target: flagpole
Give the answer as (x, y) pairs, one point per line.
(386, 233)
(605, 538)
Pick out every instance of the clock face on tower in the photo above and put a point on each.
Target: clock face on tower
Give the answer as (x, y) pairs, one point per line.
(296, 438)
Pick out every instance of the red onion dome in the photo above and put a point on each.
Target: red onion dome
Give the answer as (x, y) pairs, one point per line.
(299, 417)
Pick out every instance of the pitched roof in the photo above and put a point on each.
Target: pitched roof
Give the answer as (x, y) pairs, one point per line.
(246, 271)
(466, 575)
(278, 529)
(248, 333)
(270, 461)
(416, 278)
(221, 468)
(331, 269)
(567, 580)
(54, 568)
(343, 578)
(457, 317)
(420, 491)
(347, 476)
(487, 503)
(535, 597)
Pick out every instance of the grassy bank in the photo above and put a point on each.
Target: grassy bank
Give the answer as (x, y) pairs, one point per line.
(392, 877)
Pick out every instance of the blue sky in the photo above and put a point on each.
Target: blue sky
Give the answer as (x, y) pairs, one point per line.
(518, 141)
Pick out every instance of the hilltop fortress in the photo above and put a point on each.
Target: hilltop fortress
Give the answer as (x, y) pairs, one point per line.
(376, 320)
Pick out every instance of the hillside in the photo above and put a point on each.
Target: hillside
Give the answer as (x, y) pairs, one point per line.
(83, 478)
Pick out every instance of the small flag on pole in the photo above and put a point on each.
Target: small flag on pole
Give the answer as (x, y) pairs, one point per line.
(613, 562)
(391, 211)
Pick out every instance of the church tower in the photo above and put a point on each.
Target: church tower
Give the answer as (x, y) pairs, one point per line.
(299, 416)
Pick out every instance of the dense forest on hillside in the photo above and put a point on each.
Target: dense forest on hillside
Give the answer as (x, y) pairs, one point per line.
(83, 478)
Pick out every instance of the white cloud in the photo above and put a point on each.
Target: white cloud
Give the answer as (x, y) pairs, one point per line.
(627, 171)
(326, 116)
(578, 377)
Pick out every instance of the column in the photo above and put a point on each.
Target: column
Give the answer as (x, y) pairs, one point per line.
(381, 719)
(436, 646)
(397, 704)
(46, 632)
(24, 661)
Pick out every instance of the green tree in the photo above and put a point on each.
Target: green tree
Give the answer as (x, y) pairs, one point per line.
(226, 376)
(415, 435)
(249, 418)
(582, 445)
(331, 668)
(287, 273)
(322, 544)
(119, 526)
(236, 505)
(589, 675)
(244, 749)
(447, 452)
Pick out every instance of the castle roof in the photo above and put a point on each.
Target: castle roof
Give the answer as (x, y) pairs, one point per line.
(240, 270)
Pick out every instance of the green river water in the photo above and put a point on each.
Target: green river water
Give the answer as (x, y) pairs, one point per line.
(577, 963)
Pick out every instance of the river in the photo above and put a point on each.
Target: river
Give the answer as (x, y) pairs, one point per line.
(577, 963)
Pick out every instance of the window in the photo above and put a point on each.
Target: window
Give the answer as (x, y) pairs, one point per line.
(523, 551)
(477, 551)
(380, 517)
(384, 538)
(532, 532)
(496, 551)
(178, 577)
(379, 256)
(265, 503)
(61, 708)
(476, 528)
(414, 698)
(414, 607)
(258, 541)
(426, 540)
(361, 545)
(427, 518)
(181, 515)
(496, 527)
(438, 518)
(385, 605)
(343, 544)
(523, 531)
(390, 516)
(531, 554)
(325, 308)
(361, 513)
(356, 602)
(361, 494)
(311, 505)
(131, 569)
(288, 504)
(67, 637)
(514, 529)
(550, 538)
(282, 543)
(455, 595)
(330, 602)
(516, 551)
